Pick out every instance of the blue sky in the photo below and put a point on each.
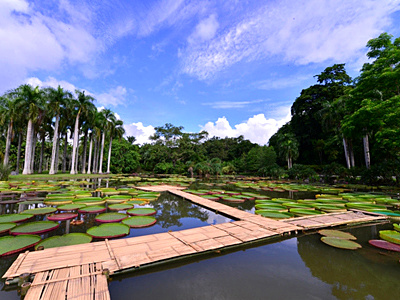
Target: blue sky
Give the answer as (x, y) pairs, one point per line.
(229, 67)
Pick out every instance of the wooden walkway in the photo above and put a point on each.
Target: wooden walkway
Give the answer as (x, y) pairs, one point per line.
(80, 266)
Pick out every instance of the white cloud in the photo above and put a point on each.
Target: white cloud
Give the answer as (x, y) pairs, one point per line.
(303, 32)
(115, 96)
(205, 30)
(281, 83)
(258, 129)
(51, 82)
(140, 132)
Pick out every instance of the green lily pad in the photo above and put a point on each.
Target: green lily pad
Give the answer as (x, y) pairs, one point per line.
(301, 212)
(57, 201)
(65, 240)
(111, 217)
(107, 231)
(14, 244)
(390, 236)
(143, 211)
(30, 202)
(136, 202)
(90, 201)
(340, 243)
(139, 221)
(95, 209)
(40, 211)
(117, 207)
(274, 214)
(5, 227)
(337, 234)
(15, 218)
(34, 227)
(70, 207)
(396, 227)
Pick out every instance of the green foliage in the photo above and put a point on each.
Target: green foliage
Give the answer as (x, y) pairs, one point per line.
(5, 171)
(302, 172)
(125, 157)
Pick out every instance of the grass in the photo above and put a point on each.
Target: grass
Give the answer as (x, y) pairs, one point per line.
(58, 176)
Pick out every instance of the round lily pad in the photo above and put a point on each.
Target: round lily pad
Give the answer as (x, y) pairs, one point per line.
(95, 209)
(139, 221)
(143, 211)
(300, 212)
(107, 231)
(136, 202)
(14, 244)
(117, 207)
(5, 227)
(70, 207)
(62, 217)
(90, 201)
(34, 227)
(111, 217)
(40, 211)
(65, 240)
(15, 218)
(340, 243)
(385, 245)
(390, 236)
(233, 199)
(273, 214)
(337, 234)
(57, 201)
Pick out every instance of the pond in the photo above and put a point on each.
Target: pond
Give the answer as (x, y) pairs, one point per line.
(283, 269)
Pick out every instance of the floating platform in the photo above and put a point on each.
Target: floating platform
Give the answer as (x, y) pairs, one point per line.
(77, 270)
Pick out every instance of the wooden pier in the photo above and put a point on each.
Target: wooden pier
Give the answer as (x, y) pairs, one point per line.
(75, 272)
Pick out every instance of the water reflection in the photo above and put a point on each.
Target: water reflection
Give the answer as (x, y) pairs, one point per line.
(367, 273)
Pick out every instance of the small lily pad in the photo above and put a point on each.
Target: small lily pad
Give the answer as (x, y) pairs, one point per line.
(14, 244)
(107, 231)
(62, 217)
(40, 211)
(337, 234)
(65, 240)
(95, 209)
(340, 243)
(70, 207)
(390, 236)
(117, 207)
(15, 218)
(139, 221)
(34, 228)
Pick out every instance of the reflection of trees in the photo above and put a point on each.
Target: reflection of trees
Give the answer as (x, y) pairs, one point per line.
(356, 274)
(170, 209)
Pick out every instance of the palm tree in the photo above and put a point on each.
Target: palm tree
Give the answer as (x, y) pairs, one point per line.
(115, 130)
(109, 118)
(82, 104)
(288, 147)
(57, 99)
(29, 99)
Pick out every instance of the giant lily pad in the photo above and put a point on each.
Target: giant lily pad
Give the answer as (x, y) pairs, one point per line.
(144, 211)
(385, 245)
(57, 201)
(65, 240)
(90, 201)
(233, 199)
(301, 212)
(5, 227)
(95, 209)
(34, 227)
(70, 207)
(111, 217)
(271, 206)
(390, 236)
(340, 243)
(15, 218)
(62, 217)
(274, 214)
(337, 234)
(138, 202)
(40, 211)
(139, 221)
(396, 227)
(107, 231)
(117, 207)
(14, 244)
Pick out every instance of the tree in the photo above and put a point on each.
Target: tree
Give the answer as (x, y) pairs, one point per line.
(82, 104)
(288, 148)
(115, 130)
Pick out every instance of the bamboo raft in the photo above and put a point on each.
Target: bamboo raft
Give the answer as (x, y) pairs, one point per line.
(76, 272)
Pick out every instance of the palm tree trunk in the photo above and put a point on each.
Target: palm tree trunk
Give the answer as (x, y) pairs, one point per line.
(57, 155)
(28, 149)
(34, 140)
(109, 156)
(84, 152)
(346, 153)
(75, 144)
(54, 149)
(352, 162)
(101, 152)
(8, 142)
(41, 154)
(94, 155)
(76, 158)
(366, 151)
(90, 153)
(19, 151)
(64, 166)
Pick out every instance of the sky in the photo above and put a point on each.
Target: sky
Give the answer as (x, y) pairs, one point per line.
(228, 67)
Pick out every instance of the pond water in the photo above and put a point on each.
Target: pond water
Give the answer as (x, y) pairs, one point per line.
(296, 268)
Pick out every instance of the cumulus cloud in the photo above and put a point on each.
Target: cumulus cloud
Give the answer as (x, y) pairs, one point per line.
(258, 129)
(51, 82)
(140, 132)
(114, 97)
(302, 32)
(205, 30)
